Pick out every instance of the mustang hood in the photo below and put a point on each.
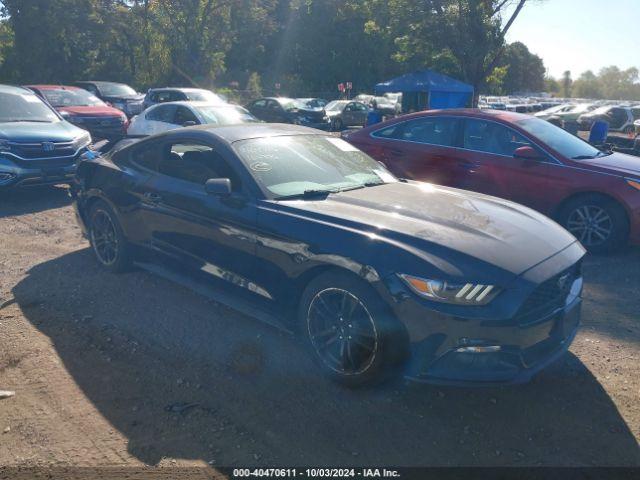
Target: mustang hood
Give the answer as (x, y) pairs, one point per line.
(617, 163)
(426, 218)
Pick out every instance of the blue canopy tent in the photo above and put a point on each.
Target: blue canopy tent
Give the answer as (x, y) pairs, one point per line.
(428, 89)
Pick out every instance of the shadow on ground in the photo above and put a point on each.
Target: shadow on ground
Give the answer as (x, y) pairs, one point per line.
(182, 377)
(31, 200)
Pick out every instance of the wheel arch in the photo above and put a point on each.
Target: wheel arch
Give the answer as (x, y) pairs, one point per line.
(588, 193)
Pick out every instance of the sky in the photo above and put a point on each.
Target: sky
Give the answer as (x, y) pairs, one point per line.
(579, 35)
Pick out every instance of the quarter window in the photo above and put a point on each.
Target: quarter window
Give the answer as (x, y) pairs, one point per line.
(492, 137)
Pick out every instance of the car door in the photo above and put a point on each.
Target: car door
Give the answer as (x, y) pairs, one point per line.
(359, 112)
(490, 146)
(275, 113)
(348, 114)
(211, 236)
(618, 118)
(423, 149)
(160, 119)
(257, 108)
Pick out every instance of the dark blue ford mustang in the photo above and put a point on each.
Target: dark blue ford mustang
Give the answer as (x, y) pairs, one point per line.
(374, 274)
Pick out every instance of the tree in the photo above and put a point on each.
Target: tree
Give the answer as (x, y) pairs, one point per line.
(587, 86)
(525, 71)
(566, 84)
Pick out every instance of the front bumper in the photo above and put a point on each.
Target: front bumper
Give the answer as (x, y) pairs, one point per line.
(513, 364)
(18, 177)
(508, 341)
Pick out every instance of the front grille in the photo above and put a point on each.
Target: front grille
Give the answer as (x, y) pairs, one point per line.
(99, 121)
(39, 150)
(549, 295)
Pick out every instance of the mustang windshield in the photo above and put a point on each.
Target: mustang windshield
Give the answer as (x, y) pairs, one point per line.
(290, 166)
(560, 140)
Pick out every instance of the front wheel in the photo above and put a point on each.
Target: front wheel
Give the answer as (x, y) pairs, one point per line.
(108, 242)
(599, 223)
(349, 331)
(338, 125)
(629, 129)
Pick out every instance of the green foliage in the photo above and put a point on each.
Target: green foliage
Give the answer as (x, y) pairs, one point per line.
(611, 83)
(306, 46)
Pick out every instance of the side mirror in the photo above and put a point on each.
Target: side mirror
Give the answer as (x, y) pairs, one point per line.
(218, 186)
(189, 123)
(527, 153)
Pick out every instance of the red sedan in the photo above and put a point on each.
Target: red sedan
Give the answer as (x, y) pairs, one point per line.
(593, 194)
(84, 110)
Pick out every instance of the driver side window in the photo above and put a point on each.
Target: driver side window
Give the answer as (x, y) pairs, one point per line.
(491, 137)
(195, 163)
(184, 115)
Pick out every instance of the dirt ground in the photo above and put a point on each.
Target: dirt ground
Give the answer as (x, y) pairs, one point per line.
(127, 370)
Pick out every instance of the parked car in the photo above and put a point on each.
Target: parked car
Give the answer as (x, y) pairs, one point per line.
(118, 95)
(636, 125)
(288, 110)
(37, 146)
(595, 195)
(570, 114)
(554, 111)
(620, 119)
(311, 234)
(312, 103)
(167, 94)
(386, 106)
(85, 110)
(346, 113)
(168, 116)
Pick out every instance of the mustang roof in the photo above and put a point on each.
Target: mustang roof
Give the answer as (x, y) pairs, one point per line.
(234, 133)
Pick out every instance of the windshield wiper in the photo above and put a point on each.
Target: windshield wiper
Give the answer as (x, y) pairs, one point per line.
(591, 157)
(308, 193)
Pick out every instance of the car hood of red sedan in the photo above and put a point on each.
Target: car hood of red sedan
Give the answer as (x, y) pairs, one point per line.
(92, 111)
(619, 163)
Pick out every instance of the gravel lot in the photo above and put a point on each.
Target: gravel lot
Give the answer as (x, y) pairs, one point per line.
(132, 370)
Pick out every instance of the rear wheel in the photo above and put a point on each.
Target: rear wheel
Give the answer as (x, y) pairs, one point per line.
(349, 330)
(108, 242)
(599, 223)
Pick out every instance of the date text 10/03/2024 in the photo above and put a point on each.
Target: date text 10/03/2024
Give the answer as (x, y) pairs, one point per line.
(316, 472)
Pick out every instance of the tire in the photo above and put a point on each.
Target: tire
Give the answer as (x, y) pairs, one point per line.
(338, 125)
(597, 211)
(629, 129)
(349, 331)
(109, 245)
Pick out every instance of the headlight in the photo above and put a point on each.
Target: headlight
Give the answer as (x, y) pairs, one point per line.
(460, 294)
(634, 183)
(82, 141)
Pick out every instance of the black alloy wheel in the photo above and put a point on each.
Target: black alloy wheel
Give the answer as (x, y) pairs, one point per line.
(342, 331)
(107, 239)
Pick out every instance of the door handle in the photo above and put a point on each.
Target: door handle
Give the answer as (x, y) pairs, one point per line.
(466, 165)
(152, 197)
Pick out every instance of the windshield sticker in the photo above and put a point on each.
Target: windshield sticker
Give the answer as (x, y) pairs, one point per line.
(30, 98)
(342, 145)
(261, 167)
(384, 175)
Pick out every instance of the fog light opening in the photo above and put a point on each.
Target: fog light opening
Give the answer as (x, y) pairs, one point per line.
(478, 349)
